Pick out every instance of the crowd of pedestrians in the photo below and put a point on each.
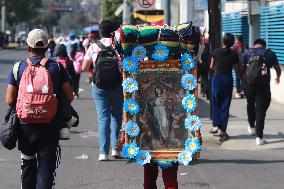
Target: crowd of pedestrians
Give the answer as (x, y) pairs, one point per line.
(41, 91)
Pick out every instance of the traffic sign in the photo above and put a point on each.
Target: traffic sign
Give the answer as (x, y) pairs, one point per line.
(146, 3)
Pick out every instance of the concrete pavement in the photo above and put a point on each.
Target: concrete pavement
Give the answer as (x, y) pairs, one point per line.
(235, 164)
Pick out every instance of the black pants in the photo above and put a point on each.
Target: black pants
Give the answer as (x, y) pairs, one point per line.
(76, 83)
(40, 155)
(258, 101)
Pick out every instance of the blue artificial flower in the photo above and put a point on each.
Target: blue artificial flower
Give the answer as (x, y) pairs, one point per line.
(193, 145)
(188, 82)
(130, 64)
(143, 157)
(139, 53)
(131, 106)
(164, 164)
(193, 123)
(132, 129)
(185, 157)
(130, 85)
(160, 53)
(187, 62)
(130, 150)
(189, 103)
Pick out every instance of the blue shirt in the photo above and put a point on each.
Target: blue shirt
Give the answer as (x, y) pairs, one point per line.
(56, 71)
(270, 58)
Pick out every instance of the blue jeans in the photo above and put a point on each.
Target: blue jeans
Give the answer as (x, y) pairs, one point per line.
(222, 88)
(239, 85)
(109, 110)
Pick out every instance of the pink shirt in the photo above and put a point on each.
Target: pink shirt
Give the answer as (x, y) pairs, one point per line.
(94, 49)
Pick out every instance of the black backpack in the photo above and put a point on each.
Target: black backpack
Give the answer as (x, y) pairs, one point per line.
(254, 67)
(106, 71)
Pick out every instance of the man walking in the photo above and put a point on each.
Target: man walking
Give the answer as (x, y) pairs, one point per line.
(257, 63)
(34, 87)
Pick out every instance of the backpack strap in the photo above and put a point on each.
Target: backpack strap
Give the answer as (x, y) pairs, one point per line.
(43, 62)
(29, 62)
(100, 44)
(16, 70)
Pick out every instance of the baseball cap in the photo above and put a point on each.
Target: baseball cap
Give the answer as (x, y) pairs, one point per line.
(35, 36)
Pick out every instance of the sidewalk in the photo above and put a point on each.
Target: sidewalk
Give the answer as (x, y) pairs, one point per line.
(237, 128)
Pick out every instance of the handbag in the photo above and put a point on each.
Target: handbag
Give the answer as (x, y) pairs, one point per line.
(9, 129)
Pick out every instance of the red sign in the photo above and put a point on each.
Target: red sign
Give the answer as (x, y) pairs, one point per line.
(146, 3)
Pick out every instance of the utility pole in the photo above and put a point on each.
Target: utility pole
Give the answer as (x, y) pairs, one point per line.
(126, 12)
(167, 12)
(253, 20)
(3, 16)
(214, 11)
(187, 10)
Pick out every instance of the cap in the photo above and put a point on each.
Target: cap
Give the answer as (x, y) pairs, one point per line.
(35, 36)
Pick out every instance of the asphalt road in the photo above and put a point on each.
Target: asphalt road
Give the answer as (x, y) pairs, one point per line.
(236, 164)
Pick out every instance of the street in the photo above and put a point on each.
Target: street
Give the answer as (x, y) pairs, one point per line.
(236, 164)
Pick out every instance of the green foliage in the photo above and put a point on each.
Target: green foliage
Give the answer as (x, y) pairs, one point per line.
(21, 10)
(109, 7)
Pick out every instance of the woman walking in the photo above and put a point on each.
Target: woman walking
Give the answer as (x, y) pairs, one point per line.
(222, 62)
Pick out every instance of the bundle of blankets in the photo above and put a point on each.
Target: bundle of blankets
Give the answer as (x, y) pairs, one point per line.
(178, 39)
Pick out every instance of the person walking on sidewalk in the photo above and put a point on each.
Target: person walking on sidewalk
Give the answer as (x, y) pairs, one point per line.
(34, 87)
(239, 48)
(106, 89)
(222, 62)
(256, 66)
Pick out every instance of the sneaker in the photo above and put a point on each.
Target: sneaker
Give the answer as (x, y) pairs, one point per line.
(238, 95)
(224, 137)
(260, 141)
(64, 134)
(214, 130)
(251, 130)
(115, 154)
(73, 122)
(103, 157)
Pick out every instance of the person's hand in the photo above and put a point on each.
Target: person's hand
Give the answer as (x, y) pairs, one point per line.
(277, 80)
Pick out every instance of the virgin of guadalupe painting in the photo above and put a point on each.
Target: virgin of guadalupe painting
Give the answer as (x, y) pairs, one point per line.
(161, 117)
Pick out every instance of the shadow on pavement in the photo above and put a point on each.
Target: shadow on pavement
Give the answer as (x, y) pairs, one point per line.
(279, 135)
(241, 161)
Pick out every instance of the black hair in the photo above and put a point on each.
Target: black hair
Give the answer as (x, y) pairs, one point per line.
(106, 28)
(260, 42)
(229, 40)
(39, 51)
(240, 38)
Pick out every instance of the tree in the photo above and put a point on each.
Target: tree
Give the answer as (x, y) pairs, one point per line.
(19, 11)
(109, 7)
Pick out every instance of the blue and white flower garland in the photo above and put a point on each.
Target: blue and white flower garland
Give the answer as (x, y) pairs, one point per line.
(192, 122)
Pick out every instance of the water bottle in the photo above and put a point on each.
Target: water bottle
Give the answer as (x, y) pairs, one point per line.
(264, 70)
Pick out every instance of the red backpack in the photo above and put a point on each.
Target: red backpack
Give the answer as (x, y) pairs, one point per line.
(36, 102)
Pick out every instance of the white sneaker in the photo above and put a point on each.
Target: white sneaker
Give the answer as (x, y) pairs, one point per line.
(103, 157)
(238, 95)
(260, 141)
(251, 130)
(64, 134)
(114, 153)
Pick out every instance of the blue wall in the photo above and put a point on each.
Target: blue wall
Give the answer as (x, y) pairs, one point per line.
(236, 24)
(272, 29)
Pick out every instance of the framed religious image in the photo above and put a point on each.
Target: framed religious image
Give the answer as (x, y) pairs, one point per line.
(161, 113)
